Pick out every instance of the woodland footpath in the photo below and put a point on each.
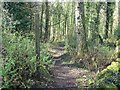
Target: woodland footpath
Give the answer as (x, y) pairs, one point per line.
(72, 45)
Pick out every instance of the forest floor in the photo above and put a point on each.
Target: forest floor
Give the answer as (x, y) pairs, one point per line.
(65, 73)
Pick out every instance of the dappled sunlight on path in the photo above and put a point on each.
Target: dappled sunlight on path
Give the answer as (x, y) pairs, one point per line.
(67, 75)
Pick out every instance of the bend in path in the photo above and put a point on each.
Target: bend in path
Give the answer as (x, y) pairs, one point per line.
(66, 75)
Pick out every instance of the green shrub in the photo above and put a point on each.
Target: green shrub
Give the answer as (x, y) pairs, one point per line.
(117, 33)
(118, 42)
(109, 77)
(20, 66)
(104, 50)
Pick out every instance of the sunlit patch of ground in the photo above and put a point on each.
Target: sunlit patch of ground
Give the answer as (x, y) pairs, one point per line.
(66, 74)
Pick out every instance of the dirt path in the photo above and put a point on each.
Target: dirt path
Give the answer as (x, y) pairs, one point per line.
(67, 75)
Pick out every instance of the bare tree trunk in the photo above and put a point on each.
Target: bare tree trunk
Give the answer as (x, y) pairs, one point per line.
(82, 29)
(98, 22)
(41, 20)
(118, 42)
(107, 20)
(47, 22)
(75, 30)
(118, 56)
(119, 15)
(37, 35)
(111, 24)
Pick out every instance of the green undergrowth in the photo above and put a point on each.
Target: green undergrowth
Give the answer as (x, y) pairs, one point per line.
(109, 77)
(95, 59)
(20, 68)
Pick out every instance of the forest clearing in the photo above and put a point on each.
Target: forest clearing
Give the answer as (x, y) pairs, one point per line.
(71, 45)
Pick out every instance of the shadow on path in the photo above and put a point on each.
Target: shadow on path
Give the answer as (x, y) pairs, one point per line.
(66, 75)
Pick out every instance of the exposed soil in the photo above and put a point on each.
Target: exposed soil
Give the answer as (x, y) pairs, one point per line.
(67, 75)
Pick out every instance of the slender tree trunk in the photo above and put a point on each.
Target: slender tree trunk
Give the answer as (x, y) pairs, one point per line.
(111, 24)
(118, 42)
(97, 18)
(112, 7)
(59, 16)
(75, 30)
(119, 15)
(63, 29)
(65, 25)
(53, 38)
(31, 18)
(107, 21)
(41, 20)
(37, 35)
(46, 36)
(82, 29)
(118, 38)
(98, 22)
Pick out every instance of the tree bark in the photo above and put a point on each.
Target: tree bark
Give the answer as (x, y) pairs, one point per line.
(37, 35)
(107, 20)
(41, 20)
(119, 15)
(82, 28)
(46, 36)
(75, 30)
(98, 22)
